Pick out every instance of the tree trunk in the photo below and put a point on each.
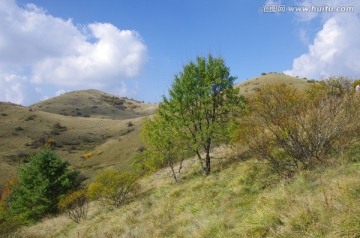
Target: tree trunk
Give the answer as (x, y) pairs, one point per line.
(207, 148)
(207, 163)
(171, 164)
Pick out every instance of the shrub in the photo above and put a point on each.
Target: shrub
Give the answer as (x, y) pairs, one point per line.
(57, 128)
(50, 142)
(44, 140)
(75, 205)
(113, 187)
(87, 155)
(293, 129)
(19, 128)
(30, 118)
(356, 83)
(147, 162)
(8, 223)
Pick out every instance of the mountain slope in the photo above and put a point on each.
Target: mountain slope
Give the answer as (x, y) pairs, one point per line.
(239, 199)
(94, 103)
(107, 136)
(249, 86)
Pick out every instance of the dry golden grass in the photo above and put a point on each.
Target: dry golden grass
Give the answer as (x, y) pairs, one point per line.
(113, 139)
(239, 199)
(94, 103)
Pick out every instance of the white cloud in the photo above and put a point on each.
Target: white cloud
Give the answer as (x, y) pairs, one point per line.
(45, 50)
(335, 49)
(116, 54)
(122, 91)
(272, 2)
(11, 88)
(303, 34)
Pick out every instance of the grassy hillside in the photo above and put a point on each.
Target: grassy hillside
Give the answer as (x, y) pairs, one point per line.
(94, 103)
(251, 85)
(242, 197)
(239, 199)
(83, 122)
(107, 136)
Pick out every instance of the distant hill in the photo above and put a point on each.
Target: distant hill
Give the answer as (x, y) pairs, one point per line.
(94, 103)
(101, 126)
(249, 86)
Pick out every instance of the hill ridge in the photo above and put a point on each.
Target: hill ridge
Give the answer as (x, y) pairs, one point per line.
(94, 103)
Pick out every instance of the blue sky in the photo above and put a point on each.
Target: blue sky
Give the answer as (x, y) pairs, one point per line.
(134, 48)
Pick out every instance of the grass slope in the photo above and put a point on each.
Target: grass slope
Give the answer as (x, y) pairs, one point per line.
(95, 122)
(248, 87)
(239, 199)
(109, 136)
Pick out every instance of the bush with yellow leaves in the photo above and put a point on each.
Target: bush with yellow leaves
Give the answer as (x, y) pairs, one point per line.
(113, 187)
(75, 205)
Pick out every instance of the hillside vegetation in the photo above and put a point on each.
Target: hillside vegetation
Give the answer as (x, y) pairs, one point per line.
(94, 103)
(285, 164)
(239, 199)
(250, 86)
(102, 135)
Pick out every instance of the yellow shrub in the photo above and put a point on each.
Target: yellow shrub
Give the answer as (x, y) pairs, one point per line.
(113, 187)
(75, 205)
(50, 142)
(87, 155)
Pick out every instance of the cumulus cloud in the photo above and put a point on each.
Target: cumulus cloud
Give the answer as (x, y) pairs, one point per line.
(12, 89)
(335, 50)
(39, 50)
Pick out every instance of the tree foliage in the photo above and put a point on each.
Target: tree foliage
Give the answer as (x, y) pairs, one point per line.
(200, 104)
(40, 185)
(294, 129)
(147, 161)
(355, 83)
(165, 143)
(112, 187)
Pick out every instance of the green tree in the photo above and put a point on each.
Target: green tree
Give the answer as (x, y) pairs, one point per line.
(40, 185)
(147, 161)
(200, 104)
(165, 143)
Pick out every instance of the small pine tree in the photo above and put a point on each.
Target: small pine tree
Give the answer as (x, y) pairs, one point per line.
(40, 185)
